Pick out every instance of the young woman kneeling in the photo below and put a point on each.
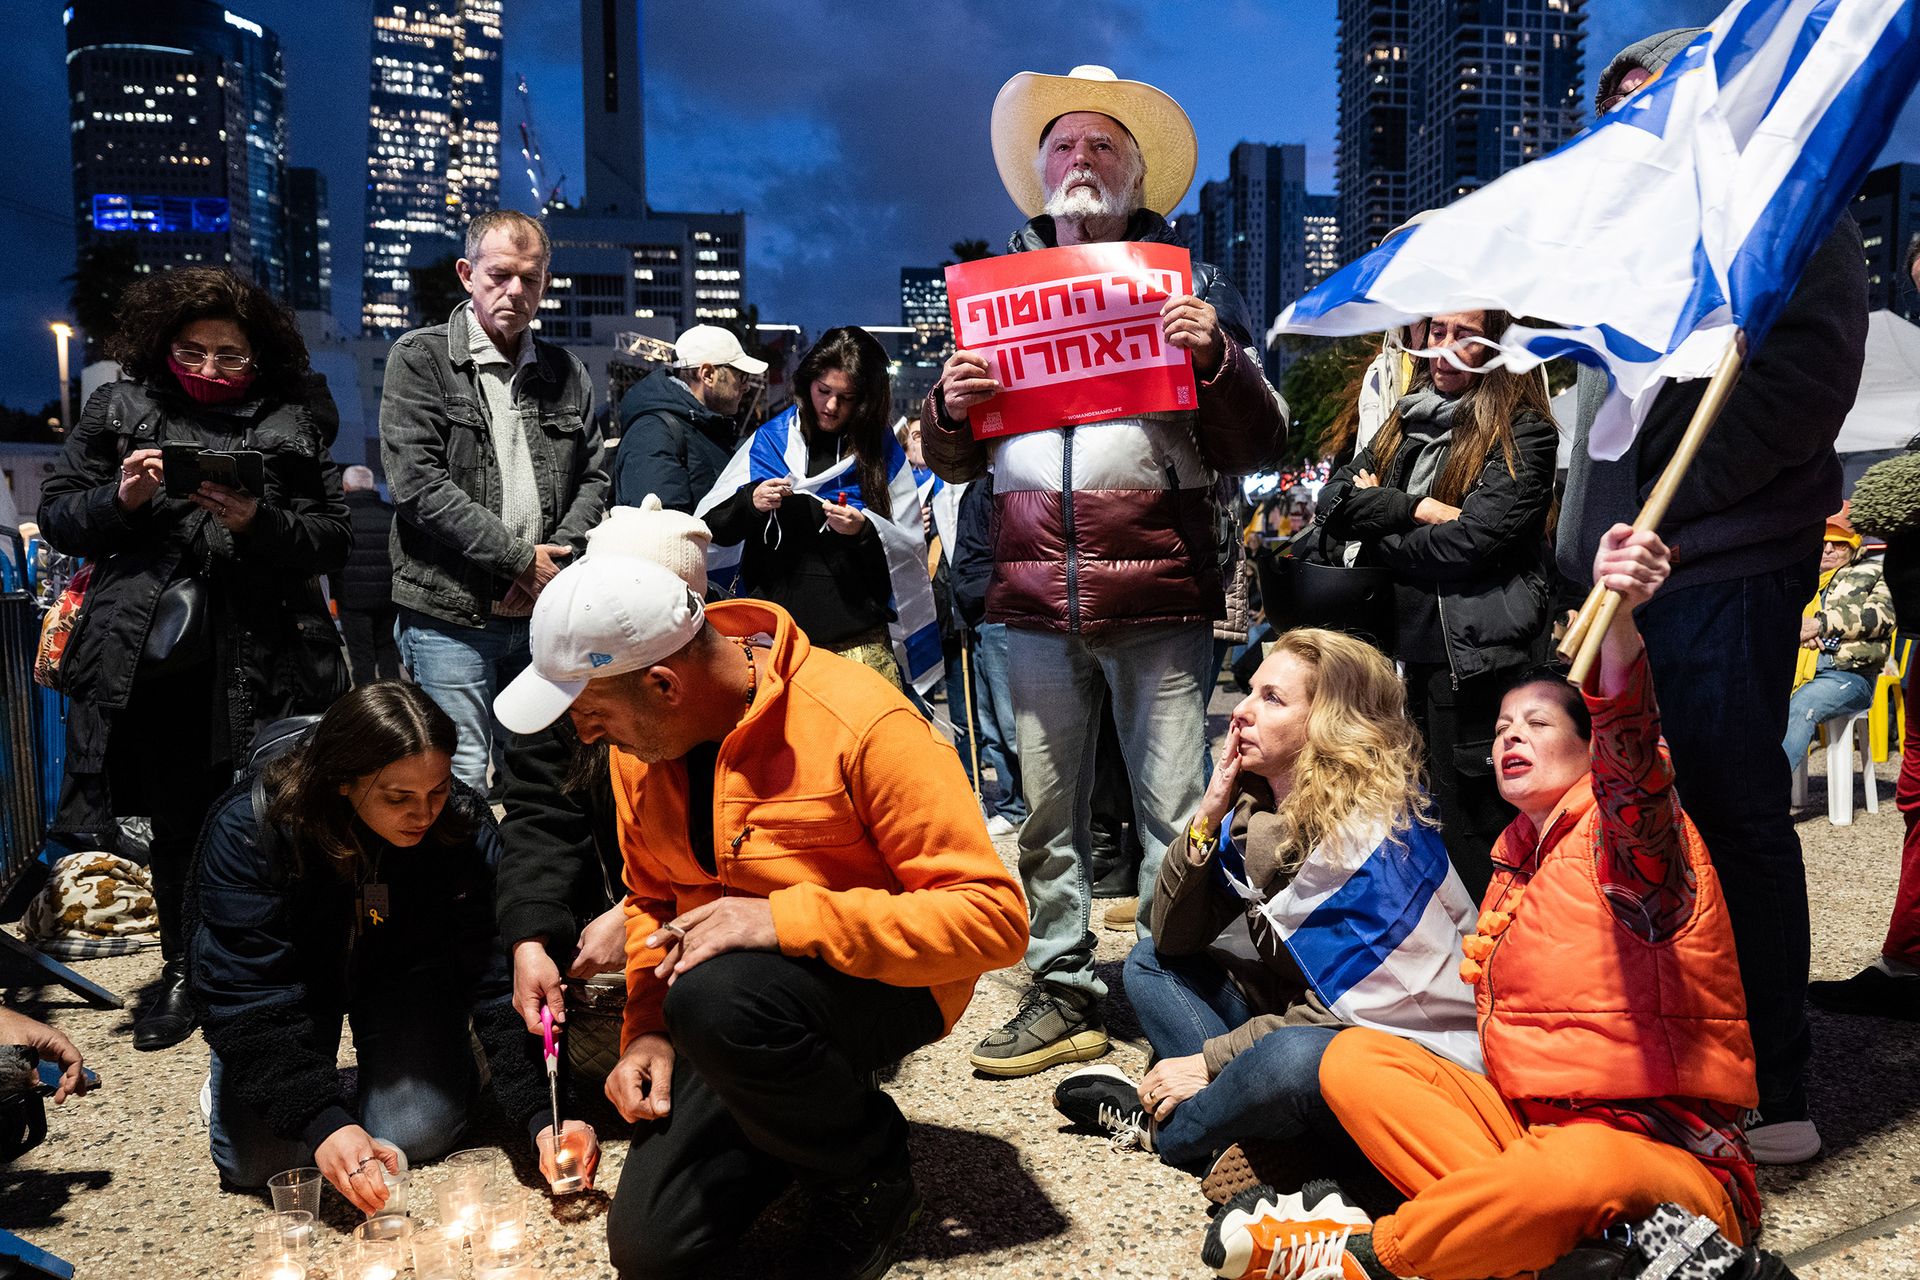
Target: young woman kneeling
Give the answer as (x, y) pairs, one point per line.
(1618, 1063)
(1314, 837)
(353, 877)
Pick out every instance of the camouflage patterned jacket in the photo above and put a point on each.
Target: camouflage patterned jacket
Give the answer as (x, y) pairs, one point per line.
(1856, 618)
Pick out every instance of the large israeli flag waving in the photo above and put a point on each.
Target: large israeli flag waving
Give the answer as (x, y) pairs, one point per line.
(777, 449)
(1685, 214)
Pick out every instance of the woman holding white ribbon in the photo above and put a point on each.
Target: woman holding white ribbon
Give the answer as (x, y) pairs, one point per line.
(803, 514)
(1314, 835)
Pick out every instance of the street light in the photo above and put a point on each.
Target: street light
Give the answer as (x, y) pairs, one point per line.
(61, 333)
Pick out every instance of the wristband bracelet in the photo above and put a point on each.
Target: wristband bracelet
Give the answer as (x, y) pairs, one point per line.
(1198, 833)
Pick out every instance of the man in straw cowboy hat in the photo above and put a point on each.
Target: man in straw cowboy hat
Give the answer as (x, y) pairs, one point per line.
(1105, 566)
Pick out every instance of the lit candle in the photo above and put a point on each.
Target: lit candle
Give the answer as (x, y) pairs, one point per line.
(506, 1236)
(377, 1271)
(288, 1271)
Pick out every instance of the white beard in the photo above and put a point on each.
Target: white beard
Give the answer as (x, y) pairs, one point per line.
(1076, 202)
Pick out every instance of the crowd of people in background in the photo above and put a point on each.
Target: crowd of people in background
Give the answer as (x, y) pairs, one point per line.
(697, 744)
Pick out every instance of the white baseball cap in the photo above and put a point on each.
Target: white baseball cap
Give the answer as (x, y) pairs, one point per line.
(604, 616)
(710, 344)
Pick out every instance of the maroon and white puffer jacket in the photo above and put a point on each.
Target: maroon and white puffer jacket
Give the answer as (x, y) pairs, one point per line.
(1109, 523)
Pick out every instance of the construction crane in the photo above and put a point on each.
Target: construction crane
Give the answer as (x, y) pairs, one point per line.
(547, 197)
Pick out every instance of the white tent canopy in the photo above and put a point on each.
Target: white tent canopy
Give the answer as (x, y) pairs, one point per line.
(1886, 413)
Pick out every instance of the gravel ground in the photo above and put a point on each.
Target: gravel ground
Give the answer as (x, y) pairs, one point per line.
(123, 1185)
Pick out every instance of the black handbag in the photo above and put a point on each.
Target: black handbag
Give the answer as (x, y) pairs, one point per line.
(1302, 588)
(181, 635)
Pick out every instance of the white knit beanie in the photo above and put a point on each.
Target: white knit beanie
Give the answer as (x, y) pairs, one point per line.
(672, 539)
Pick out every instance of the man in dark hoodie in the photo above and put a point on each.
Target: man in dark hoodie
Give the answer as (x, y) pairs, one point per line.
(1745, 528)
(677, 423)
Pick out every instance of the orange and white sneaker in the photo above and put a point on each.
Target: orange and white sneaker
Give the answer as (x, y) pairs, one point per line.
(1261, 1234)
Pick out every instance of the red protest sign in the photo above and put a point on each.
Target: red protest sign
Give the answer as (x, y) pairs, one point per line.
(1073, 334)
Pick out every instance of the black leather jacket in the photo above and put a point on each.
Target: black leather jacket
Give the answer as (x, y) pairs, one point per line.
(452, 556)
(1487, 569)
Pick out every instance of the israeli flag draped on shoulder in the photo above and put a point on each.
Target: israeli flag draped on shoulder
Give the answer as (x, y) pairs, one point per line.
(1687, 212)
(778, 450)
(1375, 922)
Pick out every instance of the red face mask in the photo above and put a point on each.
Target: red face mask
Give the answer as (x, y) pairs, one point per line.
(205, 390)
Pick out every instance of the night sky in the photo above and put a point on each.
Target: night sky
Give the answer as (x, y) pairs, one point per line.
(853, 135)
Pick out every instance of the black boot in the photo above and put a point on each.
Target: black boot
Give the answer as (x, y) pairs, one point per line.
(865, 1225)
(170, 1018)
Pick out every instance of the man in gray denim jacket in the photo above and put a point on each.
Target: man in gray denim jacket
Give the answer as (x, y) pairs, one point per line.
(496, 472)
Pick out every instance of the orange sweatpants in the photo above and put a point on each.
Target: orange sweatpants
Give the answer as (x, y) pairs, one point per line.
(1489, 1196)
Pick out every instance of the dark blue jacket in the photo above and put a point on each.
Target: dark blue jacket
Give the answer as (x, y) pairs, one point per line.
(670, 445)
(275, 958)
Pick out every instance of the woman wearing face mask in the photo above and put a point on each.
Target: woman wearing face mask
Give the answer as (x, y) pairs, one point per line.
(804, 508)
(353, 877)
(1314, 836)
(1453, 495)
(204, 617)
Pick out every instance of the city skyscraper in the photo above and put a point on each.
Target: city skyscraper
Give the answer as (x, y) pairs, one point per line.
(1322, 238)
(612, 82)
(433, 142)
(1888, 211)
(923, 309)
(309, 242)
(617, 264)
(1440, 97)
(177, 113)
(1375, 72)
(1253, 227)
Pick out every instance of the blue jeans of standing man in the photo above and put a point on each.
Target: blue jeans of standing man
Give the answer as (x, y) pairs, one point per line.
(463, 669)
(993, 708)
(1829, 694)
(418, 1081)
(1270, 1092)
(1722, 656)
(1156, 674)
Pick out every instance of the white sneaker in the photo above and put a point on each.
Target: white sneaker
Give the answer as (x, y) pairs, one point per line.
(206, 1100)
(998, 826)
(1784, 1142)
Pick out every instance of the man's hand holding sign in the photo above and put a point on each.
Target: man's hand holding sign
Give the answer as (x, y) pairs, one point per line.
(1080, 334)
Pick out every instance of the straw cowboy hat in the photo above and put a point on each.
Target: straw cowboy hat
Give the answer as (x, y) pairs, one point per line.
(1031, 101)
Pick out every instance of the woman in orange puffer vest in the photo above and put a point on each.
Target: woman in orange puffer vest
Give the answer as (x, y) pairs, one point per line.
(1611, 1013)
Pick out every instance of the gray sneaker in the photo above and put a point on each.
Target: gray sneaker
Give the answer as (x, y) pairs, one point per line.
(1055, 1024)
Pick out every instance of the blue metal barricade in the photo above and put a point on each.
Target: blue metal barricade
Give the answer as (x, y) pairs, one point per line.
(23, 807)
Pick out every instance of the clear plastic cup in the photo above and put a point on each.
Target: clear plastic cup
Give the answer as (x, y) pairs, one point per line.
(503, 1240)
(296, 1189)
(282, 1234)
(570, 1159)
(462, 1200)
(439, 1253)
(382, 1247)
(273, 1269)
(399, 1183)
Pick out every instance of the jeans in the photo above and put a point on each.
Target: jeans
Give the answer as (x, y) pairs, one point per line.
(1722, 656)
(1155, 673)
(1270, 1092)
(770, 1081)
(959, 710)
(1830, 693)
(418, 1082)
(462, 669)
(993, 716)
(372, 653)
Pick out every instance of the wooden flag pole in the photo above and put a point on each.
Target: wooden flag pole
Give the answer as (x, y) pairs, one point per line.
(1583, 638)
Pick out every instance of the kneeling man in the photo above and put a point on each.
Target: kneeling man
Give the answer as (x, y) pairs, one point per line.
(811, 893)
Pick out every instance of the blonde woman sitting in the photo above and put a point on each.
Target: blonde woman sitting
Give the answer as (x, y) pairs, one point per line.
(1312, 893)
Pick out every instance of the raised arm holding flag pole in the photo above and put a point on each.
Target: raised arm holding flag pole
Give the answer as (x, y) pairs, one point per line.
(1706, 206)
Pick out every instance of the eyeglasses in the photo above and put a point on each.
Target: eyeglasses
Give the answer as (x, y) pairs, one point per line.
(224, 361)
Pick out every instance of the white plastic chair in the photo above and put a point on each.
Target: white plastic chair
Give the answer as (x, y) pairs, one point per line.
(1839, 733)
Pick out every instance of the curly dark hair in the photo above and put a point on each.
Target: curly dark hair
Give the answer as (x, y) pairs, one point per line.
(859, 355)
(156, 307)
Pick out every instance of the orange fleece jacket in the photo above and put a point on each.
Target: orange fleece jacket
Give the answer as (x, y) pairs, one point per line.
(838, 803)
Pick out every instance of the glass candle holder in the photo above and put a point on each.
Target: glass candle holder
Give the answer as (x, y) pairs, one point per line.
(461, 1201)
(296, 1190)
(287, 1234)
(398, 1182)
(273, 1269)
(381, 1247)
(439, 1253)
